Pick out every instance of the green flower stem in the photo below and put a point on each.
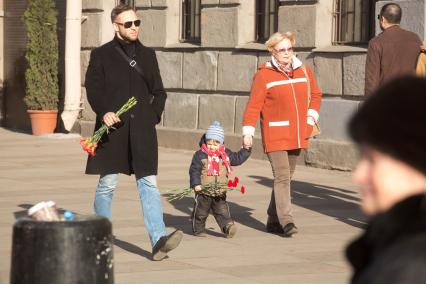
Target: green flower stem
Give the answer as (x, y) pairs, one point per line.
(104, 128)
(211, 189)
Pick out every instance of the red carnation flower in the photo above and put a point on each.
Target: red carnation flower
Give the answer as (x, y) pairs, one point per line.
(89, 146)
(235, 182)
(243, 189)
(91, 143)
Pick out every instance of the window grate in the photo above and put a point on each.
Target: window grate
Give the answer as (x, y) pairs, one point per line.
(191, 21)
(128, 2)
(266, 19)
(353, 22)
(302, 2)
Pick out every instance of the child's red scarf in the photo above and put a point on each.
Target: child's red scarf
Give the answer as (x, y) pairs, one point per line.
(214, 158)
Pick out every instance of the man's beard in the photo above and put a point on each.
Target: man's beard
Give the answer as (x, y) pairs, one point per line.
(126, 38)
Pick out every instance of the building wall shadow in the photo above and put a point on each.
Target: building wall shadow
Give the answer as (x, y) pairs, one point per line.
(337, 203)
(331, 201)
(240, 214)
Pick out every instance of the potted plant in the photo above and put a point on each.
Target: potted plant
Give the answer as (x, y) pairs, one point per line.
(41, 76)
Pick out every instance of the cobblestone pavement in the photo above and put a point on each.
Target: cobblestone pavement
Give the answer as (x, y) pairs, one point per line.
(33, 169)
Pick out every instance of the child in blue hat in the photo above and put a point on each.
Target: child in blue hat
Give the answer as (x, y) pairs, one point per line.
(211, 165)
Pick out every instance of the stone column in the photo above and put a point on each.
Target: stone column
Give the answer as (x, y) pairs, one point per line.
(1, 61)
(96, 30)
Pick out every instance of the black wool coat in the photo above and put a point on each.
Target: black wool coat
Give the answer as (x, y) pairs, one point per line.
(393, 248)
(110, 81)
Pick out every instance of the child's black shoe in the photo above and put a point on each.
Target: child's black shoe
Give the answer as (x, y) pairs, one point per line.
(230, 230)
(200, 234)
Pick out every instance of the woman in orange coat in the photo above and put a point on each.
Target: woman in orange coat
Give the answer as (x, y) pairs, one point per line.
(279, 94)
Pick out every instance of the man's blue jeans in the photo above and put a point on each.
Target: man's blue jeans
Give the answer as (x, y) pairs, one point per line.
(149, 197)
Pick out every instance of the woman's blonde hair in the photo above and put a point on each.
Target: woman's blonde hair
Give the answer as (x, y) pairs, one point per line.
(277, 37)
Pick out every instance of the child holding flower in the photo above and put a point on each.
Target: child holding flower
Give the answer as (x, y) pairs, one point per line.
(209, 172)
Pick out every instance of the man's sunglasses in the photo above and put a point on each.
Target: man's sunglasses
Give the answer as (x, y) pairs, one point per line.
(128, 25)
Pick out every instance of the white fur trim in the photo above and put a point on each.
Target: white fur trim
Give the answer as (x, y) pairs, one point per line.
(296, 62)
(284, 82)
(313, 113)
(273, 61)
(279, 123)
(248, 130)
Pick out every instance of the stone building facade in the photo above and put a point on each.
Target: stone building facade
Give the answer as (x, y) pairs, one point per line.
(210, 79)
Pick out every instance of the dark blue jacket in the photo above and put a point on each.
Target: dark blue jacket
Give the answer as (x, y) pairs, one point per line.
(197, 165)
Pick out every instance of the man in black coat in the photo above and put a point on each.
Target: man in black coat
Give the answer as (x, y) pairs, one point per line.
(118, 70)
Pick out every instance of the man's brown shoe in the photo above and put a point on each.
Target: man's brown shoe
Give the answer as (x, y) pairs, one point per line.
(166, 244)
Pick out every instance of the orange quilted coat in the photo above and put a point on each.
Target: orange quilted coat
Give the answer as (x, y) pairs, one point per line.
(282, 103)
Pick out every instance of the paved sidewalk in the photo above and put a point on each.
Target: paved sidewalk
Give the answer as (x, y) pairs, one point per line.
(33, 169)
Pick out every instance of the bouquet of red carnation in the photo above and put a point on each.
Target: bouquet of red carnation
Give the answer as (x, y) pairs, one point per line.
(210, 189)
(90, 144)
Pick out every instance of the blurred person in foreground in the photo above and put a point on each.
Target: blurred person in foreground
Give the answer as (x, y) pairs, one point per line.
(390, 130)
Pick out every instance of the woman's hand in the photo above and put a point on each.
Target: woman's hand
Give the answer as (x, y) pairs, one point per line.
(247, 141)
(197, 188)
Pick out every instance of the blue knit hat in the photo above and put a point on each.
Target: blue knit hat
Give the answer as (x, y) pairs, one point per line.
(215, 132)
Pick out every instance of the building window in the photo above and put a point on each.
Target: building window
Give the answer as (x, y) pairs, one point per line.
(353, 21)
(266, 19)
(191, 21)
(284, 2)
(128, 2)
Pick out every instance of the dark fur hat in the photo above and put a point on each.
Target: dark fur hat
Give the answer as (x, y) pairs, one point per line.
(393, 121)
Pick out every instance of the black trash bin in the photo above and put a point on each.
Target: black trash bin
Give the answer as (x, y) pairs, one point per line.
(77, 251)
